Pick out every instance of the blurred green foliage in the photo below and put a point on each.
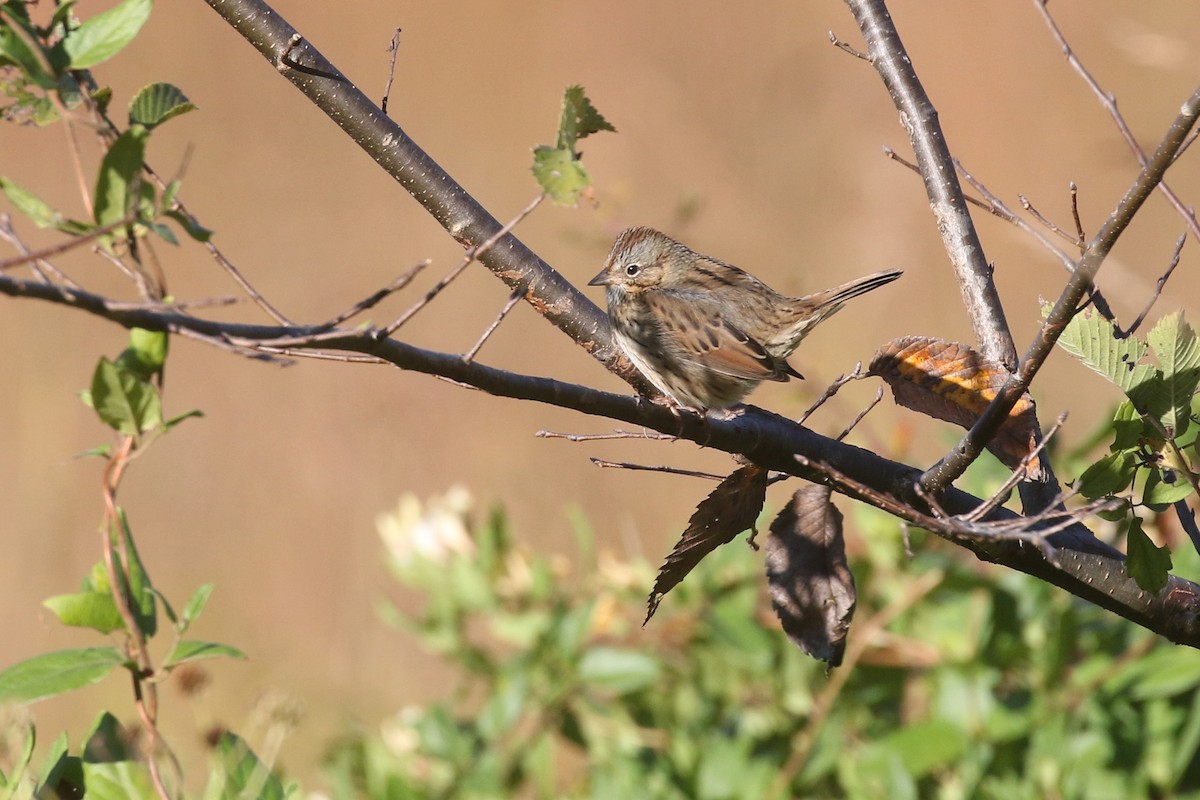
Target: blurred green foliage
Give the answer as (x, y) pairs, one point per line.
(961, 680)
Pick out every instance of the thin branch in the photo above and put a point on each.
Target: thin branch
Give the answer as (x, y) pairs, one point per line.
(1076, 241)
(845, 47)
(1158, 287)
(689, 473)
(617, 434)
(854, 422)
(73, 243)
(831, 390)
(513, 299)
(376, 297)
(1109, 101)
(394, 49)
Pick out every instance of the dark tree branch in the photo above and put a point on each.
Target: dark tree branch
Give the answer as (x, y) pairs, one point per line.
(949, 206)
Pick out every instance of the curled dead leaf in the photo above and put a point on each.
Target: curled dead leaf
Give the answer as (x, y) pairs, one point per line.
(808, 579)
(950, 381)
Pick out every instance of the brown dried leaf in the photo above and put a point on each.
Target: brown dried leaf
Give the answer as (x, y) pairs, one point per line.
(731, 508)
(952, 382)
(809, 582)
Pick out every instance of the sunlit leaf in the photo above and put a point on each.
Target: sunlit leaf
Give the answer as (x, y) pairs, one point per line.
(101, 37)
(157, 103)
(94, 610)
(55, 673)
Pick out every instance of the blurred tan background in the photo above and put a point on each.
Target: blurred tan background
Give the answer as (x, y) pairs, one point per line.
(745, 134)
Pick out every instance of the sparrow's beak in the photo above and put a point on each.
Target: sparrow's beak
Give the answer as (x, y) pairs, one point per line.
(601, 279)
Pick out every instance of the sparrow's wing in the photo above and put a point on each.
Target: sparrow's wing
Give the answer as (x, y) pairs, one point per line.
(693, 328)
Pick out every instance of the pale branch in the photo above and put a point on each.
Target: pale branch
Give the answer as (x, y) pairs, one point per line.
(861, 414)
(831, 390)
(949, 206)
(617, 434)
(687, 473)
(973, 443)
(1087, 567)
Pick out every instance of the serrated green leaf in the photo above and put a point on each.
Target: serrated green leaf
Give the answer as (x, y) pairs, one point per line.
(1111, 474)
(1147, 564)
(103, 36)
(1091, 339)
(157, 103)
(86, 610)
(1128, 427)
(579, 119)
(124, 401)
(117, 190)
(1178, 351)
(1164, 487)
(237, 773)
(56, 673)
(560, 175)
(189, 650)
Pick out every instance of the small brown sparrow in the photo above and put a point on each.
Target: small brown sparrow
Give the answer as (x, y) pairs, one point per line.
(705, 332)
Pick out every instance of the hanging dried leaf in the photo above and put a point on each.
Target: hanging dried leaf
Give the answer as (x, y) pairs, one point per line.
(731, 508)
(808, 579)
(952, 382)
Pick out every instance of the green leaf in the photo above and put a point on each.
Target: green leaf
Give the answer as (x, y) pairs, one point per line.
(188, 650)
(157, 103)
(125, 402)
(142, 600)
(237, 774)
(579, 119)
(1158, 493)
(53, 766)
(560, 174)
(1146, 563)
(16, 773)
(108, 742)
(86, 610)
(618, 669)
(18, 41)
(1111, 474)
(1128, 427)
(103, 36)
(118, 780)
(195, 606)
(146, 353)
(1178, 351)
(117, 190)
(173, 421)
(39, 211)
(190, 226)
(56, 673)
(1092, 340)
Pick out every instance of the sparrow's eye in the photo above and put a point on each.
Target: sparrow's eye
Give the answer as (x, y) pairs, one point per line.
(632, 270)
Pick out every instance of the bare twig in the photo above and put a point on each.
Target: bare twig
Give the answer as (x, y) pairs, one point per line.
(394, 49)
(854, 422)
(1158, 287)
(1016, 476)
(471, 255)
(1075, 241)
(831, 390)
(513, 299)
(599, 462)
(71, 244)
(1079, 234)
(374, 299)
(845, 47)
(617, 434)
(1109, 101)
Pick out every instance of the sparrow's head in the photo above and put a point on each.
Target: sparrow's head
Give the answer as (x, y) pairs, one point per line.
(641, 258)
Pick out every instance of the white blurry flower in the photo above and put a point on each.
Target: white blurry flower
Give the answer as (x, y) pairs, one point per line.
(399, 731)
(436, 533)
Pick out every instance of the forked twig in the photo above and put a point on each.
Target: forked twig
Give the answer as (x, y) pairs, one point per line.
(470, 257)
(831, 390)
